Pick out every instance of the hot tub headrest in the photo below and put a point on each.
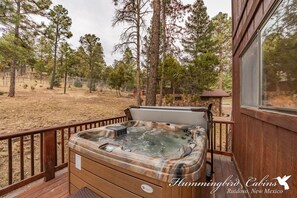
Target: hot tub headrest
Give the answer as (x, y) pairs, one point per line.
(176, 115)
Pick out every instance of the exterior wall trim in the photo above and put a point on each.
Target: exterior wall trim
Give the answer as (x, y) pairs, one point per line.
(282, 120)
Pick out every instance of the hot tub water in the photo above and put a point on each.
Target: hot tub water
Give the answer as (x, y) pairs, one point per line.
(155, 142)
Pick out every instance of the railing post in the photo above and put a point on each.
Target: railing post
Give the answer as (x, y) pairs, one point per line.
(49, 143)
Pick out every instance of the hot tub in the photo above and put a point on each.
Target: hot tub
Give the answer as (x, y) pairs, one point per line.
(139, 158)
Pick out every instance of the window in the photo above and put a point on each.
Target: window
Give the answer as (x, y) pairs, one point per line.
(250, 75)
(279, 58)
(269, 65)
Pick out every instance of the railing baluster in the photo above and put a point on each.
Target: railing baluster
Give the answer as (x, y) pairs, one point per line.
(220, 136)
(32, 153)
(232, 136)
(9, 161)
(22, 157)
(56, 148)
(80, 128)
(62, 145)
(41, 152)
(69, 133)
(215, 135)
(226, 137)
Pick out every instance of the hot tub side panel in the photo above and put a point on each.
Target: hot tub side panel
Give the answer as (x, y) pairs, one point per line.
(111, 181)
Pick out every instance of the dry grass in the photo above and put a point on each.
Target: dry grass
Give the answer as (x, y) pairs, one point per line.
(40, 108)
(43, 108)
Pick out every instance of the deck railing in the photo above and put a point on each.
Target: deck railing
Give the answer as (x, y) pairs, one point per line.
(35, 154)
(222, 133)
(31, 155)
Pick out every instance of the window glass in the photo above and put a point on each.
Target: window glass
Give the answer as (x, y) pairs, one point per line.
(250, 75)
(279, 58)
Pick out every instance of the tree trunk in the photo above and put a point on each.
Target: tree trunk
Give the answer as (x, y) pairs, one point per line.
(55, 60)
(138, 56)
(154, 55)
(14, 62)
(221, 74)
(163, 50)
(12, 79)
(90, 75)
(90, 85)
(65, 81)
(220, 86)
(147, 79)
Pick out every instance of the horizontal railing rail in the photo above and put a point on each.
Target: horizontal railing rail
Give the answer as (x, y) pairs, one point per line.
(35, 154)
(222, 133)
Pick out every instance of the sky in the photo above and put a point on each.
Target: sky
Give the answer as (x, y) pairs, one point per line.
(95, 16)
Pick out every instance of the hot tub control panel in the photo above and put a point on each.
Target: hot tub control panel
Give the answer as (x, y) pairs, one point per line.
(118, 129)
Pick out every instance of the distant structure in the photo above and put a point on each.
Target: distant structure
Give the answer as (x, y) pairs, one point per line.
(215, 96)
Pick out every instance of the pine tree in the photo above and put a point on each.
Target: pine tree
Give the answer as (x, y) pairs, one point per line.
(68, 60)
(43, 55)
(132, 12)
(172, 13)
(16, 17)
(154, 53)
(197, 36)
(222, 35)
(58, 30)
(199, 46)
(92, 54)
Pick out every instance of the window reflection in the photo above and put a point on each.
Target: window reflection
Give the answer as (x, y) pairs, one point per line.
(279, 57)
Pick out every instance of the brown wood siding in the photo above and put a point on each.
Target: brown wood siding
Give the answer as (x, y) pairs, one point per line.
(265, 143)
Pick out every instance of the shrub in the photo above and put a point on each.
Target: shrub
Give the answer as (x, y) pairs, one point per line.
(32, 87)
(1, 93)
(169, 99)
(57, 80)
(25, 86)
(93, 88)
(78, 83)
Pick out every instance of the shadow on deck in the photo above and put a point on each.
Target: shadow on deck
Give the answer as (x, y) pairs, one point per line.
(58, 187)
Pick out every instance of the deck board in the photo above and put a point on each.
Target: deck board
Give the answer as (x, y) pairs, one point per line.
(58, 187)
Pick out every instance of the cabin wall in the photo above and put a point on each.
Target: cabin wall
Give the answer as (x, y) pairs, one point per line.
(264, 143)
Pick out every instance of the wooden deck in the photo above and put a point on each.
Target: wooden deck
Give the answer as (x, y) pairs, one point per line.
(58, 187)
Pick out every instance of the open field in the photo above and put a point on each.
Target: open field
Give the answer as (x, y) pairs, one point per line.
(41, 107)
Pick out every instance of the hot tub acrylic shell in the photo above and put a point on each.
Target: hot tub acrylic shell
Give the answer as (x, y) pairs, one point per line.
(139, 170)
